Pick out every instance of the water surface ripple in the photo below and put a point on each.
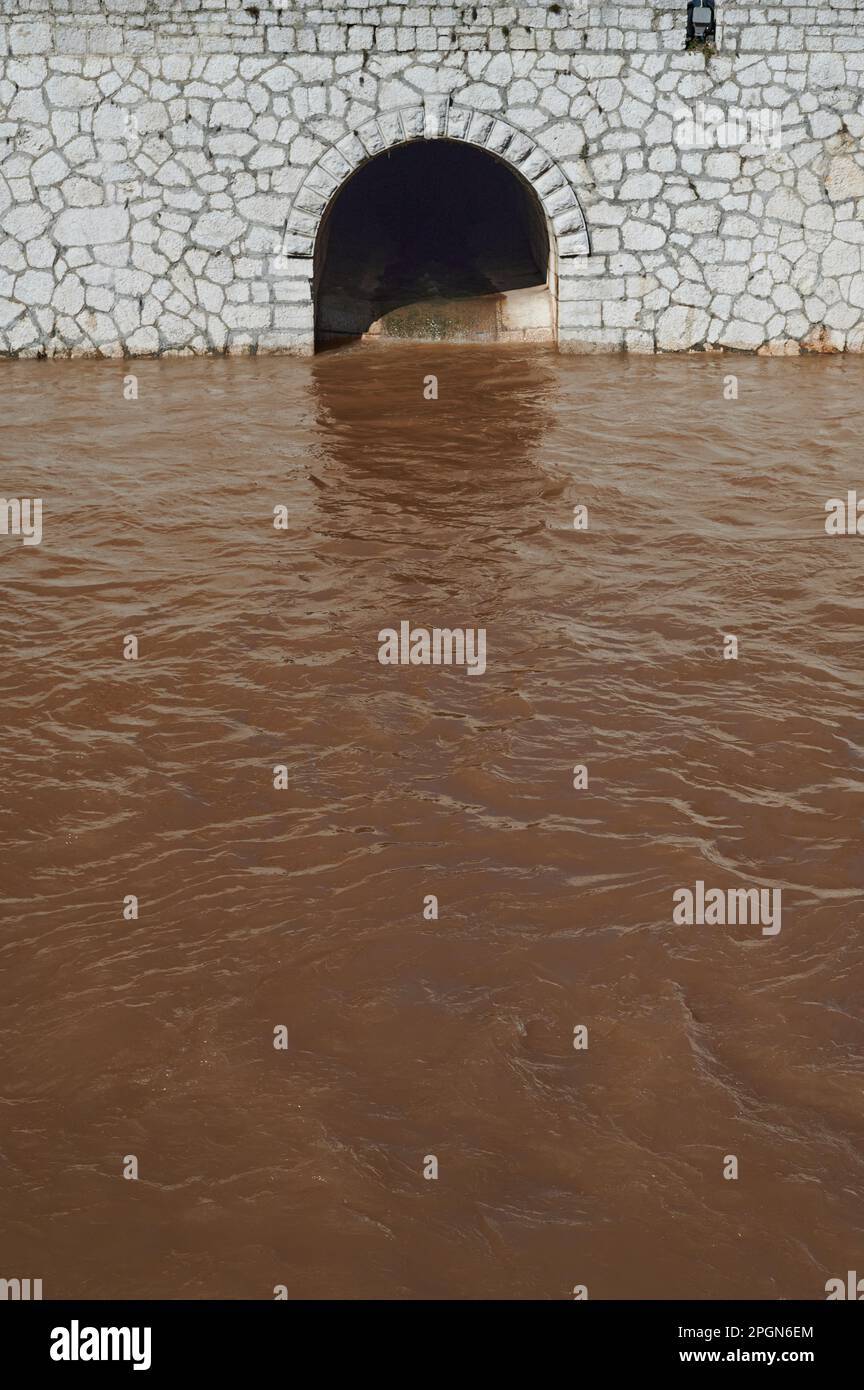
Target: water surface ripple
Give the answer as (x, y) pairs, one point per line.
(303, 907)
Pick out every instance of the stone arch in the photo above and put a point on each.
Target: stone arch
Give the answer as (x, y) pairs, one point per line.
(440, 119)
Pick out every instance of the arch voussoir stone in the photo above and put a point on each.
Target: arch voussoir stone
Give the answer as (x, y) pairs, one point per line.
(439, 118)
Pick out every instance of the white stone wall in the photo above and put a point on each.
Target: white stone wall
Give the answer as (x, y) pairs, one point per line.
(164, 166)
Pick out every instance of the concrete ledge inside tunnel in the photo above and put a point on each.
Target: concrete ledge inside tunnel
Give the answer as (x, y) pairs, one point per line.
(434, 241)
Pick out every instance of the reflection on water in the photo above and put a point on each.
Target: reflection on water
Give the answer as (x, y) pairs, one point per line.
(304, 907)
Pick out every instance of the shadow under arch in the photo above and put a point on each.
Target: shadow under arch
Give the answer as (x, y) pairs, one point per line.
(435, 239)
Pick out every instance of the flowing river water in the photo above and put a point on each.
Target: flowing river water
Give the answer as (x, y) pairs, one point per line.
(303, 907)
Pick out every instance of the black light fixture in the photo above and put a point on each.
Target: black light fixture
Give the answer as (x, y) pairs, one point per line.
(701, 25)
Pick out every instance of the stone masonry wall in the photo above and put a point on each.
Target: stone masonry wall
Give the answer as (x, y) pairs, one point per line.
(164, 166)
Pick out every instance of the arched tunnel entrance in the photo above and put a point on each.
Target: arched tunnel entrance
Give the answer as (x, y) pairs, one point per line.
(434, 240)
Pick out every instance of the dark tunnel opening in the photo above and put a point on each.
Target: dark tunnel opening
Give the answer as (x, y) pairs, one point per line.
(433, 240)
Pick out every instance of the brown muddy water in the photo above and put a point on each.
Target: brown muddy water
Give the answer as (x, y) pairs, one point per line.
(303, 907)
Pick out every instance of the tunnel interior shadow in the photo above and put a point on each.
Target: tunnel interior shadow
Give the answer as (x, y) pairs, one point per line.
(429, 220)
